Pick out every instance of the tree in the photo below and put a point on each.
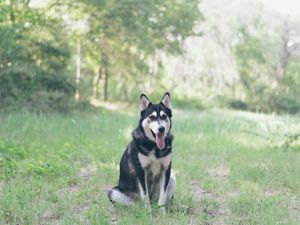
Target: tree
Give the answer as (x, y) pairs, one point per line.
(33, 64)
(124, 36)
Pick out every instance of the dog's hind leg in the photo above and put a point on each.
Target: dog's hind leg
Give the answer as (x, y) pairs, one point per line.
(171, 186)
(115, 195)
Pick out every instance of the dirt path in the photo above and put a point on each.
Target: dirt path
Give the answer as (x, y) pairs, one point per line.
(211, 206)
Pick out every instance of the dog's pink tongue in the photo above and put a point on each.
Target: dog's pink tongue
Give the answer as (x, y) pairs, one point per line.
(160, 142)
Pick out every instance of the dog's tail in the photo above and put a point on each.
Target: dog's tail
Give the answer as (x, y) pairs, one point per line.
(115, 195)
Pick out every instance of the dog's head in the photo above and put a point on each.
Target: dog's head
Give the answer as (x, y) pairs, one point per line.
(156, 119)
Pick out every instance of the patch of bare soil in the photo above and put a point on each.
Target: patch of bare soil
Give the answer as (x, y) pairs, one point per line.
(200, 195)
(50, 217)
(79, 211)
(275, 192)
(69, 189)
(114, 217)
(294, 202)
(295, 207)
(112, 212)
(219, 172)
(85, 173)
(212, 204)
(88, 171)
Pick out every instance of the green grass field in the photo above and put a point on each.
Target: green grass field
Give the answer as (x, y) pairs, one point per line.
(231, 168)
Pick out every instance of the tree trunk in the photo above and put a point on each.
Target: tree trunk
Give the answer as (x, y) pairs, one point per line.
(96, 83)
(233, 90)
(105, 84)
(78, 68)
(282, 65)
(100, 88)
(285, 54)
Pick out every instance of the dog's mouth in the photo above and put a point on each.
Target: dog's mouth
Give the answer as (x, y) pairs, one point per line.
(159, 139)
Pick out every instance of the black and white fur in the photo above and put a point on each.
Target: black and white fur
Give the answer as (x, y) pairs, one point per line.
(145, 167)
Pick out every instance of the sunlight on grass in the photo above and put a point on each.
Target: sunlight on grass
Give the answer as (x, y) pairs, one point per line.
(113, 166)
(116, 106)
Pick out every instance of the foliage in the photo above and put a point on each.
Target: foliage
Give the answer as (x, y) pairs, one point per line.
(124, 39)
(34, 61)
(286, 97)
(264, 89)
(207, 54)
(254, 68)
(118, 40)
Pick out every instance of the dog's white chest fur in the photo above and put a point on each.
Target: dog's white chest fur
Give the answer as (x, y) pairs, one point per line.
(153, 164)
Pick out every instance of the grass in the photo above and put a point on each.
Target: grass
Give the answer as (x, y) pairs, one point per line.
(230, 170)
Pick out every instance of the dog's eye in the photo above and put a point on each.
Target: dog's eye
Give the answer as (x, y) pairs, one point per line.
(164, 117)
(152, 117)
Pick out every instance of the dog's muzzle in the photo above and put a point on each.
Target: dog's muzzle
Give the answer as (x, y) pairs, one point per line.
(159, 138)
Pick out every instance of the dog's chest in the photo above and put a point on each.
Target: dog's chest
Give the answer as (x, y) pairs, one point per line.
(154, 165)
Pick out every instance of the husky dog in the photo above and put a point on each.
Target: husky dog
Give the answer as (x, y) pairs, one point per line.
(145, 167)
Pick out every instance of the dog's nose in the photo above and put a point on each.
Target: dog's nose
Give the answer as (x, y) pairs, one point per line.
(161, 129)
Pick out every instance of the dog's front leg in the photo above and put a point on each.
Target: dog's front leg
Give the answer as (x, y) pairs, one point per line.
(164, 181)
(143, 186)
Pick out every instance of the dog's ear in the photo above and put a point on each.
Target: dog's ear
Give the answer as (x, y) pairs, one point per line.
(166, 100)
(144, 102)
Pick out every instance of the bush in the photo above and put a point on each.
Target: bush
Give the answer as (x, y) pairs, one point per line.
(284, 103)
(9, 157)
(36, 91)
(238, 104)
